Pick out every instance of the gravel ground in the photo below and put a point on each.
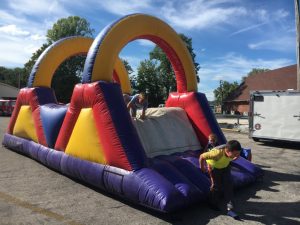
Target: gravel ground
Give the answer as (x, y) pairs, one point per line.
(30, 193)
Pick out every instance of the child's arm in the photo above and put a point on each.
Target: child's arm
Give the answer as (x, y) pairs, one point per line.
(143, 116)
(202, 163)
(129, 105)
(132, 101)
(214, 154)
(206, 148)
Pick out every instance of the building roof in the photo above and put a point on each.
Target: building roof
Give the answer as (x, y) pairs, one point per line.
(279, 79)
(9, 86)
(8, 91)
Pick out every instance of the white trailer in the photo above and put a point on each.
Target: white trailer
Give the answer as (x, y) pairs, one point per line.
(275, 115)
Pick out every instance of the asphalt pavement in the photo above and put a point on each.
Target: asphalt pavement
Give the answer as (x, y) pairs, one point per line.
(30, 193)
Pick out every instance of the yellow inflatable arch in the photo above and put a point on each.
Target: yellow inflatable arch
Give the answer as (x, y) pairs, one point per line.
(44, 68)
(107, 45)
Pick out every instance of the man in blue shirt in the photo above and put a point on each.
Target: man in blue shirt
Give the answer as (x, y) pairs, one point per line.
(135, 102)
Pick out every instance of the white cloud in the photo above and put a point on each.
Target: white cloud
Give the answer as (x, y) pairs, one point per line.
(13, 30)
(146, 43)
(261, 14)
(133, 61)
(23, 28)
(121, 7)
(38, 37)
(279, 43)
(279, 14)
(247, 28)
(232, 67)
(207, 90)
(261, 17)
(194, 14)
(201, 14)
(15, 54)
(18, 49)
(9, 18)
(38, 7)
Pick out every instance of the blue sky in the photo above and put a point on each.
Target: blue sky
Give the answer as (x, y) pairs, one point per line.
(230, 37)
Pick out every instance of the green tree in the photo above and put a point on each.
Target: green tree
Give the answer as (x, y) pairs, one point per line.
(132, 78)
(30, 63)
(127, 66)
(14, 77)
(71, 26)
(165, 67)
(69, 72)
(224, 91)
(255, 71)
(148, 80)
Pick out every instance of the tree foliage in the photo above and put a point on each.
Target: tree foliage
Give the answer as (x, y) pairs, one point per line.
(224, 91)
(127, 66)
(71, 26)
(149, 81)
(163, 69)
(255, 71)
(71, 69)
(189, 44)
(30, 63)
(132, 78)
(14, 77)
(227, 89)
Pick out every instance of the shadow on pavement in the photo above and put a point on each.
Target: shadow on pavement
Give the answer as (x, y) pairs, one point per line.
(280, 212)
(249, 205)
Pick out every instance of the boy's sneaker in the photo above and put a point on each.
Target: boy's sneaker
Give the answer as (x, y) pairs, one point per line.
(229, 206)
(233, 215)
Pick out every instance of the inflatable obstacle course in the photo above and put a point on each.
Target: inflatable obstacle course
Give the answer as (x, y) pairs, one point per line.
(95, 140)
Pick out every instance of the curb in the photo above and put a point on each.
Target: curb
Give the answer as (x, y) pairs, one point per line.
(233, 130)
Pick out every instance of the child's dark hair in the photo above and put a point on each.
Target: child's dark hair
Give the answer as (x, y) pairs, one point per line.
(233, 145)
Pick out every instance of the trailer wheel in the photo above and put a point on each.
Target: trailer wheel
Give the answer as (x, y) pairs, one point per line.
(255, 139)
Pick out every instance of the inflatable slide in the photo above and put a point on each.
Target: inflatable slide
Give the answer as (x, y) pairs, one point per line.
(153, 162)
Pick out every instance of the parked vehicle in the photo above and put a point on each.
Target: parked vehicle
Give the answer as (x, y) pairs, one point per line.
(275, 115)
(7, 107)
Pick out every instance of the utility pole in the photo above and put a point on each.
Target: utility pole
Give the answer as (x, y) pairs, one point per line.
(297, 42)
(19, 80)
(221, 90)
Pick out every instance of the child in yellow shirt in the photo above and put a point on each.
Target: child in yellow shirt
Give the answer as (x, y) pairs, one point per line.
(218, 160)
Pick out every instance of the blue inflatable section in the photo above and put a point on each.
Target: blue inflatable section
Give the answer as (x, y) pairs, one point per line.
(52, 116)
(213, 124)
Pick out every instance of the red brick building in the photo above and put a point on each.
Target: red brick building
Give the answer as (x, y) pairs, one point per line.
(278, 79)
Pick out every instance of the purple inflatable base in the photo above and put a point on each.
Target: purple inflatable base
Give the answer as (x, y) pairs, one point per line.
(168, 183)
